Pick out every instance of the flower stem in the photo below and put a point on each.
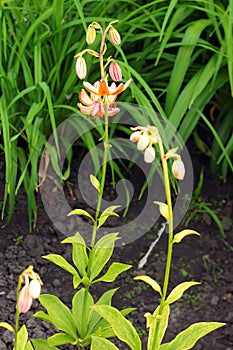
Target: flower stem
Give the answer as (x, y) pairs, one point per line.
(169, 246)
(17, 313)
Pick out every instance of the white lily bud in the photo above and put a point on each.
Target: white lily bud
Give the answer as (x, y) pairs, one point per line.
(114, 36)
(178, 169)
(35, 288)
(81, 67)
(134, 137)
(149, 154)
(143, 141)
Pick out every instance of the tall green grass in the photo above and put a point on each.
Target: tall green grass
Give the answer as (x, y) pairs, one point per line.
(179, 54)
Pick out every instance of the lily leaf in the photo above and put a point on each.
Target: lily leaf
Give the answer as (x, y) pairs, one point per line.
(103, 344)
(123, 329)
(179, 236)
(163, 208)
(178, 291)
(186, 339)
(151, 282)
(7, 326)
(113, 271)
(106, 213)
(81, 212)
(95, 182)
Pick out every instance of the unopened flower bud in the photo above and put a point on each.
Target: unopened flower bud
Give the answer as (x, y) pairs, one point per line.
(143, 141)
(178, 169)
(81, 67)
(91, 34)
(114, 36)
(134, 137)
(35, 288)
(115, 71)
(25, 300)
(149, 154)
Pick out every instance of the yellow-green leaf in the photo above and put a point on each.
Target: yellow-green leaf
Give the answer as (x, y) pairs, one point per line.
(103, 344)
(186, 339)
(163, 208)
(151, 282)
(179, 236)
(106, 213)
(81, 212)
(95, 182)
(7, 326)
(178, 291)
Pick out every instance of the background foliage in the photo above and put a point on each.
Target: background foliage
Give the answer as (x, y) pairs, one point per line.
(179, 54)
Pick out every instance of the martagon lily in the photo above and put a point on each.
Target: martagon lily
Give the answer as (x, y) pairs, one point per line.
(101, 95)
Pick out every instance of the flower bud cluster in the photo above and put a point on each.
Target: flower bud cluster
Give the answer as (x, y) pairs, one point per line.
(146, 137)
(114, 37)
(30, 291)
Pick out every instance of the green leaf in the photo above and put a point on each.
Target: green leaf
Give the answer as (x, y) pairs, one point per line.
(58, 314)
(7, 326)
(151, 282)
(178, 291)
(29, 346)
(60, 261)
(188, 338)
(179, 236)
(163, 208)
(160, 321)
(81, 212)
(101, 343)
(105, 299)
(95, 182)
(113, 271)
(123, 329)
(22, 338)
(41, 344)
(81, 308)
(101, 253)
(79, 252)
(106, 213)
(61, 339)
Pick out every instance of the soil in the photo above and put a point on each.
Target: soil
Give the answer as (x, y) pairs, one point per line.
(207, 259)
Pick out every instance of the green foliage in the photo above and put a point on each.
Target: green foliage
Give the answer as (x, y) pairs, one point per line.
(187, 44)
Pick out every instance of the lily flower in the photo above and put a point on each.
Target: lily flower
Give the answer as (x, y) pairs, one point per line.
(101, 95)
(101, 87)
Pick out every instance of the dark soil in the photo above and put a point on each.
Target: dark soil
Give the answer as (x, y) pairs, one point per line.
(208, 259)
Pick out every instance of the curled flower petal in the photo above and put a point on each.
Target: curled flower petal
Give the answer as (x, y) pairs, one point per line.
(149, 154)
(25, 300)
(143, 141)
(34, 288)
(178, 169)
(134, 137)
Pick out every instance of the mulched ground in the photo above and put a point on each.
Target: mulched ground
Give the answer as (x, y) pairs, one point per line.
(208, 259)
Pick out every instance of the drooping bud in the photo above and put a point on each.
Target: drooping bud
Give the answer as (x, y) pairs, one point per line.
(35, 288)
(149, 154)
(115, 71)
(25, 300)
(178, 169)
(143, 141)
(91, 34)
(81, 67)
(134, 137)
(114, 36)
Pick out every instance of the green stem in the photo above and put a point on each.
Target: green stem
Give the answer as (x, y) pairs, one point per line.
(17, 313)
(103, 176)
(170, 239)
